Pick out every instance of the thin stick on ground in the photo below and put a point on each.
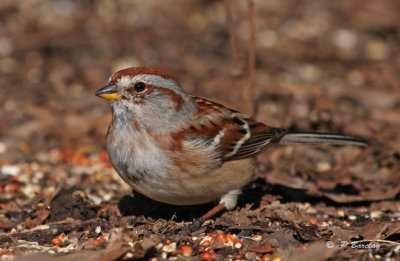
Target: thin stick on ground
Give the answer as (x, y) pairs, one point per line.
(236, 70)
(252, 58)
(51, 230)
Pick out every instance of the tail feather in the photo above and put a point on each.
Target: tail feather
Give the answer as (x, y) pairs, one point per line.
(320, 138)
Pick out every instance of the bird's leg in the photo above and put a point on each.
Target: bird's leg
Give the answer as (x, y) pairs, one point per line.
(213, 211)
(228, 201)
(198, 222)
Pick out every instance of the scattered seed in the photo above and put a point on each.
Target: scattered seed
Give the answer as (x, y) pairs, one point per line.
(222, 238)
(238, 244)
(59, 240)
(313, 220)
(187, 250)
(97, 230)
(257, 237)
(205, 256)
(170, 248)
(56, 241)
(376, 214)
(205, 243)
(266, 257)
(10, 170)
(230, 237)
(207, 238)
(98, 240)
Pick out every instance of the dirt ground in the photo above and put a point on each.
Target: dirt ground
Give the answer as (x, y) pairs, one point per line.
(321, 65)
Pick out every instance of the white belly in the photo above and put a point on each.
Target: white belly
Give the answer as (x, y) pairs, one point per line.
(186, 176)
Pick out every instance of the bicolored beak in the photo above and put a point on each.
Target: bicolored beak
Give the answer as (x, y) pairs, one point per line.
(108, 92)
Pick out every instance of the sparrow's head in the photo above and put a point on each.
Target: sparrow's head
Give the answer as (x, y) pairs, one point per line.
(138, 84)
(146, 94)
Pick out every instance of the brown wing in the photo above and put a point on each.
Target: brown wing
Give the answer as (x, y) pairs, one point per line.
(234, 134)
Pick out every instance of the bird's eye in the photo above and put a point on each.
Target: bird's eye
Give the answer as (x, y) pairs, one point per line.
(139, 86)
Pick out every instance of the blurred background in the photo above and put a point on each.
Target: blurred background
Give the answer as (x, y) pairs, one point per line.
(320, 64)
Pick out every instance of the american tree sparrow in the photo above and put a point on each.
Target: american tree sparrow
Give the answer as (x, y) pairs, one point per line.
(184, 150)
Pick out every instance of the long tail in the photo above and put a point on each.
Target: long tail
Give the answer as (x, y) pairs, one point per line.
(317, 138)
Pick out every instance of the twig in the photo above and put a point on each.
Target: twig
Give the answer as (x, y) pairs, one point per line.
(43, 213)
(232, 37)
(57, 191)
(286, 110)
(252, 57)
(48, 230)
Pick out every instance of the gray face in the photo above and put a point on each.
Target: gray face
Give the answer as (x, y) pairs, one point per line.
(125, 82)
(154, 107)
